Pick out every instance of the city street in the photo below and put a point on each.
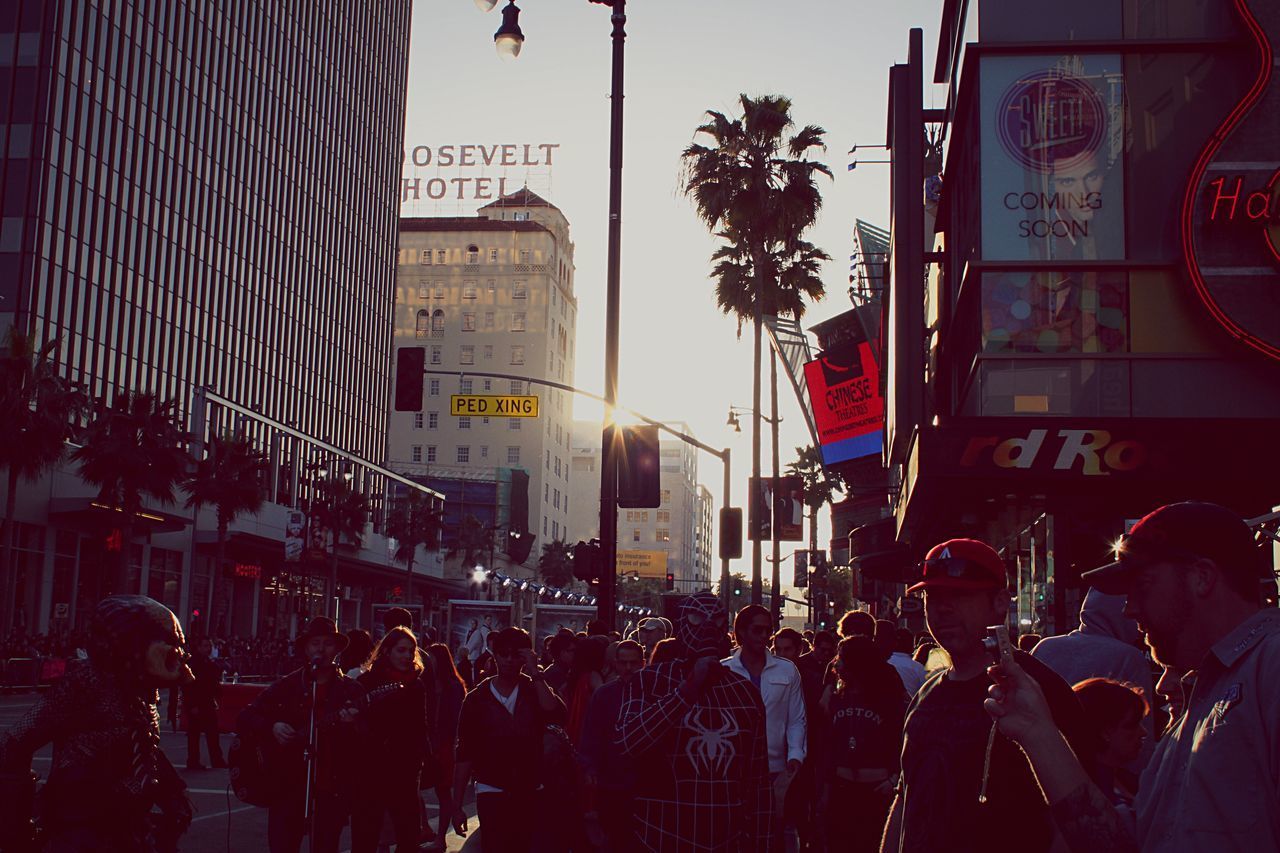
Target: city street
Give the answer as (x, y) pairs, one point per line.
(221, 823)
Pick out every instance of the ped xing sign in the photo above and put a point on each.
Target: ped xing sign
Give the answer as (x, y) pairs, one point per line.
(507, 406)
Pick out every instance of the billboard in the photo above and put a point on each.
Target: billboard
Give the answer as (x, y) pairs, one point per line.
(844, 386)
(1053, 137)
(781, 504)
(471, 623)
(549, 619)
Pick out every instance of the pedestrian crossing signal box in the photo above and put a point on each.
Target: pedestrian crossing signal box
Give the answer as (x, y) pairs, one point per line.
(493, 406)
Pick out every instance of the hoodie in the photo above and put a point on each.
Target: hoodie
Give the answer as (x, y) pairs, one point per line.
(1104, 646)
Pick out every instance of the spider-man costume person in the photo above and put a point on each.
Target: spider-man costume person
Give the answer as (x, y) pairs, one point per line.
(698, 735)
(108, 775)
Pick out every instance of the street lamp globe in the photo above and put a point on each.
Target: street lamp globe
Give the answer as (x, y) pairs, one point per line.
(486, 5)
(478, 574)
(509, 39)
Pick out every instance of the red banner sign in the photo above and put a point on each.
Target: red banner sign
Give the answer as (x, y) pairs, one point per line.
(844, 387)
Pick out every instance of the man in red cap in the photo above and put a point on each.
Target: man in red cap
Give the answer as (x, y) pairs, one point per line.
(1193, 575)
(960, 781)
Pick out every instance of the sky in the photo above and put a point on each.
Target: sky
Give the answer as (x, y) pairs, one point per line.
(680, 357)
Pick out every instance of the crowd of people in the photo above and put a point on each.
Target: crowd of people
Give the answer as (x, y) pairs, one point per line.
(1152, 726)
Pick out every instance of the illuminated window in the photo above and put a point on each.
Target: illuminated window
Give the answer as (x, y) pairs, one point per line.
(493, 258)
(517, 321)
(519, 290)
(425, 258)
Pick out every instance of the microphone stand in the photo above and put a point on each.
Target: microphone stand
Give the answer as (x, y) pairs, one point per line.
(309, 755)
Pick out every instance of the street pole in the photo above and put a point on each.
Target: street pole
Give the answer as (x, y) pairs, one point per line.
(776, 588)
(607, 612)
(724, 561)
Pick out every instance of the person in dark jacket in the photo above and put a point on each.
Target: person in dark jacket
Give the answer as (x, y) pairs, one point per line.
(500, 742)
(200, 706)
(399, 742)
(450, 691)
(280, 720)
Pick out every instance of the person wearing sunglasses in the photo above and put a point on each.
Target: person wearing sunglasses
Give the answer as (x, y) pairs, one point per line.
(959, 778)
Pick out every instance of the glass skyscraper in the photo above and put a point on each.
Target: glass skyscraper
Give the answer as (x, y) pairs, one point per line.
(206, 194)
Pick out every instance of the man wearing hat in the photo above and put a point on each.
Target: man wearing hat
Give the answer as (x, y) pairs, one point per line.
(1192, 573)
(960, 782)
(279, 720)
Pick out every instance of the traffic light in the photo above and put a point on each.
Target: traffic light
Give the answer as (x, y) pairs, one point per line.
(588, 562)
(410, 362)
(730, 533)
(671, 582)
(519, 544)
(639, 468)
(737, 587)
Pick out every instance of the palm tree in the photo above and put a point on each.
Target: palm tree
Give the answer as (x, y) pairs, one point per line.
(413, 522)
(819, 486)
(794, 271)
(341, 511)
(38, 408)
(556, 563)
(132, 451)
(474, 541)
(230, 479)
(758, 182)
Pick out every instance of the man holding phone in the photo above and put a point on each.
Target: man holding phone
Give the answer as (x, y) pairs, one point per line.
(959, 780)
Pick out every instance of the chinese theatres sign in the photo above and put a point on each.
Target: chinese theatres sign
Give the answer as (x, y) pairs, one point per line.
(1052, 167)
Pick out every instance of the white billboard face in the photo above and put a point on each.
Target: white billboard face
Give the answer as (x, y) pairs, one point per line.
(1053, 137)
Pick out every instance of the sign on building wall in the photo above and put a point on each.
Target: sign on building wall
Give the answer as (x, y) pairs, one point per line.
(462, 172)
(294, 529)
(1053, 136)
(645, 564)
(493, 406)
(844, 386)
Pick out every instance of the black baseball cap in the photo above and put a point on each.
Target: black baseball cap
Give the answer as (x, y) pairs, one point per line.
(1188, 530)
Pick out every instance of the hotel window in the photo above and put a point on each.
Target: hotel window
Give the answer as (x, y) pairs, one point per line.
(433, 420)
(441, 256)
(467, 355)
(437, 323)
(424, 291)
(513, 455)
(435, 354)
(469, 290)
(484, 421)
(425, 257)
(417, 420)
(517, 354)
(435, 388)
(422, 325)
(513, 423)
(484, 451)
(524, 256)
(473, 254)
(468, 321)
(524, 217)
(555, 498)
(517, 321)
(555, 530)
(519, 290)
(635, 534)
(439, 290)
(487, 384)
(464, 386)
(431, 453)
(666, 496)
(557, 466)
(517, 387)
(464, 423)
(464, 453)
(663, 535)
(488, 321)
(493, 258)
(492, 287)
(488, 352)
(664, 516)
(415, 453)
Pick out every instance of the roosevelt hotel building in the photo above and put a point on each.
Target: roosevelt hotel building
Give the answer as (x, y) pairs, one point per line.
(489, 294)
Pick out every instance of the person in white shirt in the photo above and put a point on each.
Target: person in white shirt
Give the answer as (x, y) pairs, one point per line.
(909, 670)
(778, 681)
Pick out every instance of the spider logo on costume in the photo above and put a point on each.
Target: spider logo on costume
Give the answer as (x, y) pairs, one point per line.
(712, 748)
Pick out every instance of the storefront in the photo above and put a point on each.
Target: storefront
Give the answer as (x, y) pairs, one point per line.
(1094, 328)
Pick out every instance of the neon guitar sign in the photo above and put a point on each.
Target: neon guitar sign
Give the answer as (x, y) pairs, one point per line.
(1231, 213)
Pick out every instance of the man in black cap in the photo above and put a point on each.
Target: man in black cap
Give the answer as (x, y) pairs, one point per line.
(697, 733)
(1192, 572)
(279, 720)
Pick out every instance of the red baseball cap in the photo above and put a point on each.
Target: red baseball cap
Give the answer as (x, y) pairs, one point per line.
(963, 564)
(1185, 531)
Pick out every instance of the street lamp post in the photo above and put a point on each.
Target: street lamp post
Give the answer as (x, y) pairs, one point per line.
(508, 40)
